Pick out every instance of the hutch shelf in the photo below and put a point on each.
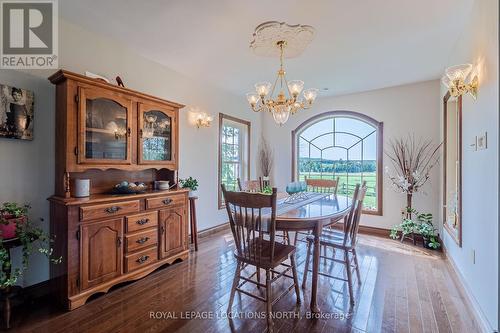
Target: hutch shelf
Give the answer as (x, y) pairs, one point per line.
(109, 134)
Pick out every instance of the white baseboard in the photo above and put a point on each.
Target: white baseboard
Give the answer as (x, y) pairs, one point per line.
(471, 301)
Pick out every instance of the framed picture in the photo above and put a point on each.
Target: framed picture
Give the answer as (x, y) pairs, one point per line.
(17, 108)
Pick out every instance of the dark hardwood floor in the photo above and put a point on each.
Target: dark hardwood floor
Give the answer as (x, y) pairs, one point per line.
(403, 289)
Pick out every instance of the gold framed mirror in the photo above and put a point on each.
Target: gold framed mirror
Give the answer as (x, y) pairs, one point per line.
(452, 167)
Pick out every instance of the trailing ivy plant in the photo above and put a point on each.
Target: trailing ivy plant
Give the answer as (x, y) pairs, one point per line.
(421, 224)
(31, 237)
(13, 208)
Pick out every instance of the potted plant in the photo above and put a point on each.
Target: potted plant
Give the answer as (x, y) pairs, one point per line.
(412, 161)
(29, 237)
(428, 232)
(421, 225)
(11, 214)
(266, 160)
(190, 183)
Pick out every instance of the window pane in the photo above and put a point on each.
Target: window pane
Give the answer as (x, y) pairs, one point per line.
(341, 147)
(354, 126)
(234, 139)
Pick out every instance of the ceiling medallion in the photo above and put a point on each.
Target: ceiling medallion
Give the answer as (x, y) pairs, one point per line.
(272, 39)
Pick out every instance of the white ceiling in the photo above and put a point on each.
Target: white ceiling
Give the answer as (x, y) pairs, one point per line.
(359, 44)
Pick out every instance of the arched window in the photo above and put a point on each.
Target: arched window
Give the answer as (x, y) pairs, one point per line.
(341, 144)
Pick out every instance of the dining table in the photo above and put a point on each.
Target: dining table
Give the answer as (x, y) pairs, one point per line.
(311, 212)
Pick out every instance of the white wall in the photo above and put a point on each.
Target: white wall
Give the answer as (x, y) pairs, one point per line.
(26, 168)
(404, 110)
(479, 45)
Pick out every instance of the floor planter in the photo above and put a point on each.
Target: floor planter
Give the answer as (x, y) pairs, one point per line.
(425, 243)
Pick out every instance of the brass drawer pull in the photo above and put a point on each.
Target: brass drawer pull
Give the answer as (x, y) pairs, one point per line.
(113, 209)
(167, 201)
(142, 259)
(143, 221)
(142, 240)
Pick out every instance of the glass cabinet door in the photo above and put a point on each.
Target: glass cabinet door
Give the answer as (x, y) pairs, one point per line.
(104, 127)
(156, 137)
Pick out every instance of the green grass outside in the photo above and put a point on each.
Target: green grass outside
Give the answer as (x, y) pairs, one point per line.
(348, 183)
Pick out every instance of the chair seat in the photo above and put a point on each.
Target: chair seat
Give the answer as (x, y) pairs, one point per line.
(332, 238)
(263, 247)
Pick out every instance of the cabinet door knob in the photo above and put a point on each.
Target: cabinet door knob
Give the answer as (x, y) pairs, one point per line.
(142, 259)
(112, 209)
(119, 241)
(129, 131)
(142, 240)
(167, 201)
(143, 221)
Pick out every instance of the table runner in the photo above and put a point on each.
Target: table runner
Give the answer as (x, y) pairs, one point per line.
(283, 207)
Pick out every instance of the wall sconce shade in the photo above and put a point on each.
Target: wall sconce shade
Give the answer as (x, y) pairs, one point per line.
(203, 120)
(461, 79)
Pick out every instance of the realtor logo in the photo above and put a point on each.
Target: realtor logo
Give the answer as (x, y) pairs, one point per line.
(29, 34)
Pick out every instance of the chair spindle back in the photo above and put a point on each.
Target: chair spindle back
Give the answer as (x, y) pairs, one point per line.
(352, 225)
(323, 185)
(250, 185)
(251, 215)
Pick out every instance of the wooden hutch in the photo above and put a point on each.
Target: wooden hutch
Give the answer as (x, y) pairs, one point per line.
(109, 134)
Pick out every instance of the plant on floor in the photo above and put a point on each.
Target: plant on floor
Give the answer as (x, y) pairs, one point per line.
(190, 183)
(421, 225)
(412, 161)
(30, 238)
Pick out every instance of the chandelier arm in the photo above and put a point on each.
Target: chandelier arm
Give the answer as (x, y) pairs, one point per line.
(288, 89)
(274, 87)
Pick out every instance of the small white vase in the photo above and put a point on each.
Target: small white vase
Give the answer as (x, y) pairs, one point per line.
(192, 193)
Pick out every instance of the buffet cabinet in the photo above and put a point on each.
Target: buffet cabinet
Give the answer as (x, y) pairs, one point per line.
(110, 134)
(105, 241)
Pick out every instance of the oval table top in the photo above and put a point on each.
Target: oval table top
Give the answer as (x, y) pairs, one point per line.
(330, 207)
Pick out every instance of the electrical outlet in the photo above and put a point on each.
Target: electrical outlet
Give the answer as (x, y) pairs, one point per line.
(473, 256)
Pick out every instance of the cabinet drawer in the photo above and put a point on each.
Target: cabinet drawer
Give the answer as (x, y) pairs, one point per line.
(141, 239)
(141, 221)
(140, 259)
(107, 210)
(165, 201)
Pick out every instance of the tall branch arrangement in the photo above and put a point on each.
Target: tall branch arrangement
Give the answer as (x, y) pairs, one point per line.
(413, 161)
(266, 158)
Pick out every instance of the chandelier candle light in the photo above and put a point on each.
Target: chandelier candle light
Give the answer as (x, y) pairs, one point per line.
(288, 99)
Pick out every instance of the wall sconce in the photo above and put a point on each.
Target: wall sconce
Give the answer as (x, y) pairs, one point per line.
(203, 120)
(460, 80)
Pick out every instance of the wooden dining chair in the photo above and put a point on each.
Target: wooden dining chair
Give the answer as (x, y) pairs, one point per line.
(258, 186)
(321, 186)
(253, 216)
(344, 242)
(250, 185)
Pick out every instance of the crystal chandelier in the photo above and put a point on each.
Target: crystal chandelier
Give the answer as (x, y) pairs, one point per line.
(288, 99)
